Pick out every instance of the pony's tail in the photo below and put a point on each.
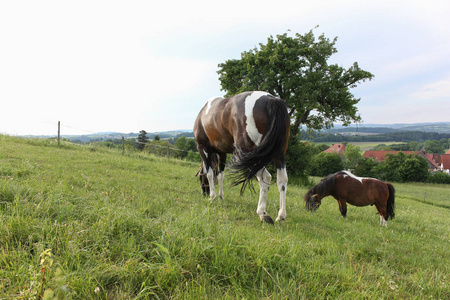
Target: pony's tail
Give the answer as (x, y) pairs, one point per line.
(391, 202)
(246, 165)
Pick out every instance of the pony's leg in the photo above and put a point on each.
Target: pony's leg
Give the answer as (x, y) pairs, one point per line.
(264, 179)
(282, 180)
(382, 212)
(343, 208)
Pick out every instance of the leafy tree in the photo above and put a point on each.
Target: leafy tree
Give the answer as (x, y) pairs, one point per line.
(382, 147)
(298, 159)
(414, 169)
(185, 145)
(321, 147)
(445, 143)
(402, 168)
(366, 167)
(297, 70)
(157, 138)
(158, 147)
(327, 163)
(194, 156)
(142, 140)
(433, 147)
(352, 155)
(414, 146)
(400, 147)
(389, 169)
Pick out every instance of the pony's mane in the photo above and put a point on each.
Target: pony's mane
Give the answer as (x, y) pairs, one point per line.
(323, 186)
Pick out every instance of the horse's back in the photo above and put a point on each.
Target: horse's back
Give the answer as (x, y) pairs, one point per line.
(222, 121)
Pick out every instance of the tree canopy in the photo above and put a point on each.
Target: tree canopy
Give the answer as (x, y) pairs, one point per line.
(296, 69)
(141, 140)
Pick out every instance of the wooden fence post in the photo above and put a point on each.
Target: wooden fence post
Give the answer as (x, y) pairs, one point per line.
(59, 131)
(123, 145)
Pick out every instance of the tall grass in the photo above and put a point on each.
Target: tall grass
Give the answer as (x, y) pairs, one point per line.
(90, 223)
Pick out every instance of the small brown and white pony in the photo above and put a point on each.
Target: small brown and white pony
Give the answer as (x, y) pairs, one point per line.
(347, 188)
(254, 126)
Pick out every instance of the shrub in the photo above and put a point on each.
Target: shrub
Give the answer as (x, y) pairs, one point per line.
(298, 158)
(366, 167)
(439, 177)
(327, 163)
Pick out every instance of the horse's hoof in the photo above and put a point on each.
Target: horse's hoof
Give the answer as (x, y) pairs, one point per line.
(267, 219)
(279, 219)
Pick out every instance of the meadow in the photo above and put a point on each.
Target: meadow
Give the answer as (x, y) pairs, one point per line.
(82, 222)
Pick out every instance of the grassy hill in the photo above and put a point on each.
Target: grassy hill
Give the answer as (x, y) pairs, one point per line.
(90, 223)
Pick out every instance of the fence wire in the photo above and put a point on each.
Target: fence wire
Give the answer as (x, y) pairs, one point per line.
(167, 148)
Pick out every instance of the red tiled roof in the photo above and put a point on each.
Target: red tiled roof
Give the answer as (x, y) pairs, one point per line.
(445, 161)
(381, 155)
(336, 148)
(433, 159)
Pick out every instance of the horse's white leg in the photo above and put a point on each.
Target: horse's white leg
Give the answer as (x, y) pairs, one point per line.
(212, 191)
(220, 178)
(383, 222)
(264, 179)
(282, 180)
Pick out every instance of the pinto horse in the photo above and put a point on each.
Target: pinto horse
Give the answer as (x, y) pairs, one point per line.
(254, 126)
(347, 188)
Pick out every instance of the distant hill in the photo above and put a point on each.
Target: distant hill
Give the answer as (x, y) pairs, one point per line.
(439, 127)
(419, 132)
(360, 129)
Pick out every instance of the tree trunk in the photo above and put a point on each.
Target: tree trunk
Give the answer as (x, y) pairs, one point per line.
(295, 129)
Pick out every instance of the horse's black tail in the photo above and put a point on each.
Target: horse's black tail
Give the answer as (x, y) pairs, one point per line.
(390, 203)
(273, 146)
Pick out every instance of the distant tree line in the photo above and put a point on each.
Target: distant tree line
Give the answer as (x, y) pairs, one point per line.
(402, 136)
(433, 146)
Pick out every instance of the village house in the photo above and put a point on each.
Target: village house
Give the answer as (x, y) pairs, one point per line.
(336, 148)
(445, 163)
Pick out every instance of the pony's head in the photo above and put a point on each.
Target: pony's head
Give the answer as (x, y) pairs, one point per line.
(312, 200)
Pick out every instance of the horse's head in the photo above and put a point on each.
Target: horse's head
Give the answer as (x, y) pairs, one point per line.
(204, 183)
(312, 200)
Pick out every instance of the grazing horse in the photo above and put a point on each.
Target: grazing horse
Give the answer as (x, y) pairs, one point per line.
(254, 126)
(346, 187)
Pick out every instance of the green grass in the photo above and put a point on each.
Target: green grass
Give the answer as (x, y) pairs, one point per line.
(90, 223)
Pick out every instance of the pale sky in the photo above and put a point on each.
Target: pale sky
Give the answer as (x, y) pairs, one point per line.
(125, 66)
